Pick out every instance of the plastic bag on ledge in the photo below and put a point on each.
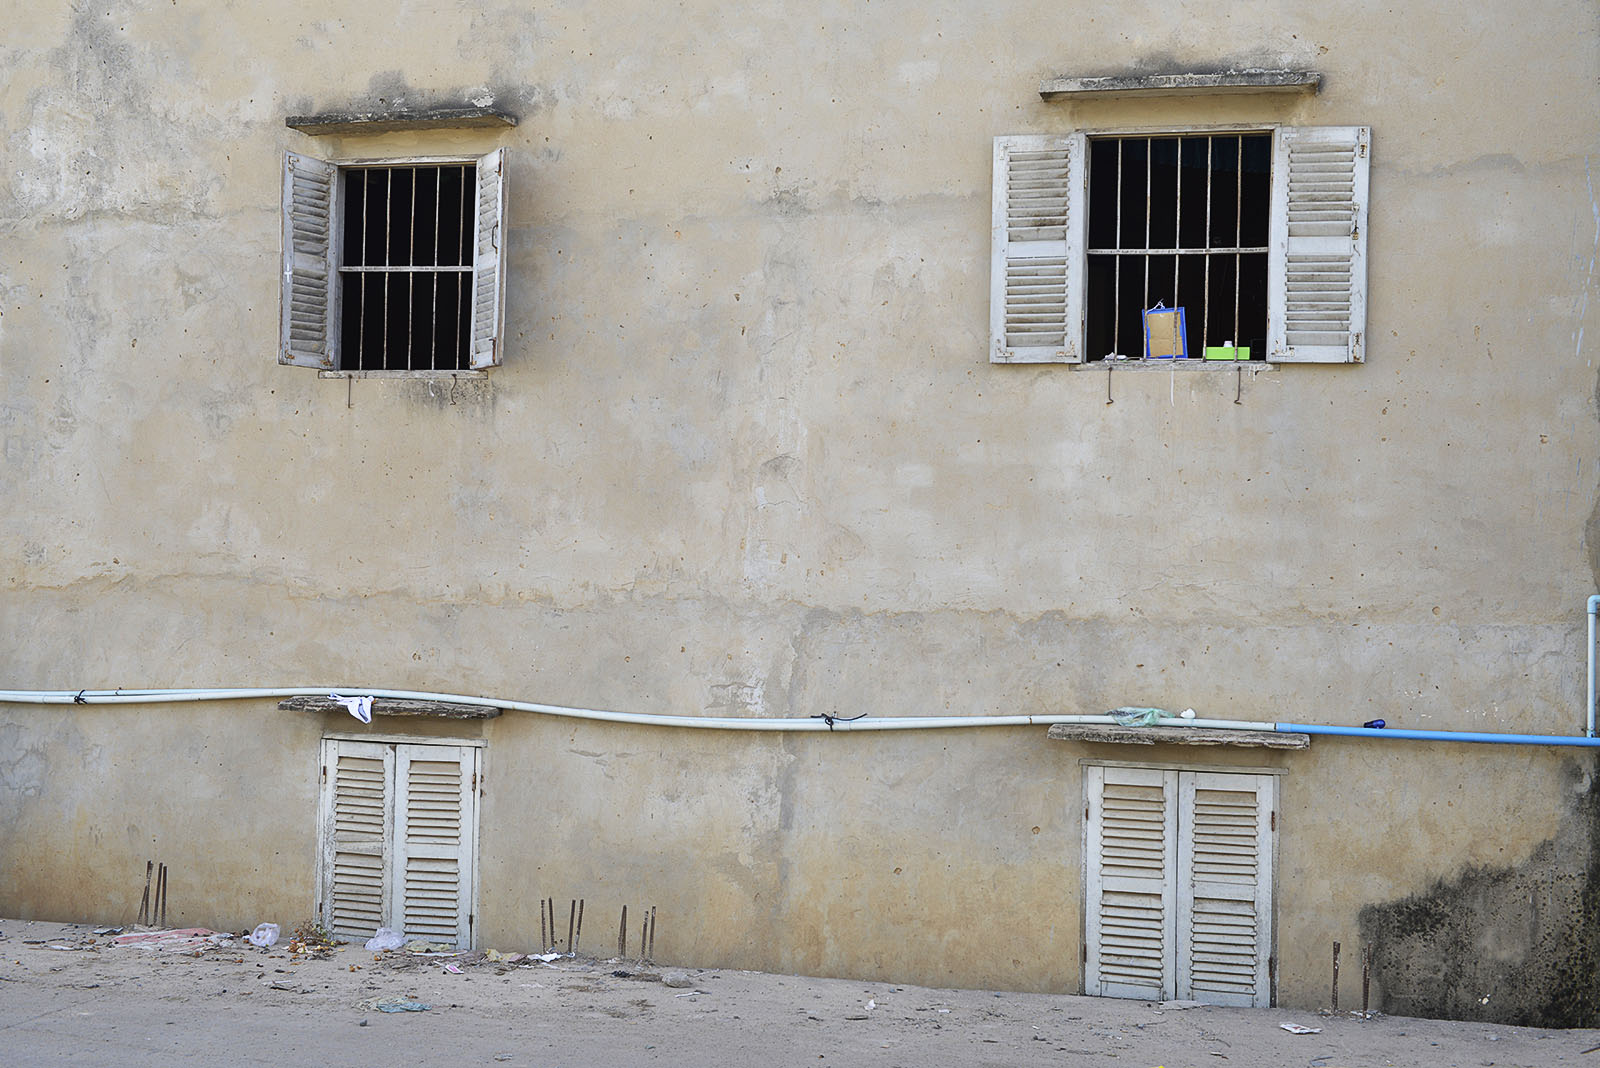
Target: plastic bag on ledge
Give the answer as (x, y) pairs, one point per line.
(386, 938)
(1139, 717)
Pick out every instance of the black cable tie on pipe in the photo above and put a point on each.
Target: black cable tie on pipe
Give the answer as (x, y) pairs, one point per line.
(78, 698)
(830, 719)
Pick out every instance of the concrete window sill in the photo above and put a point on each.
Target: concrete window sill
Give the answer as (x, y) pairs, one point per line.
(393, 706)
(1147, 85)
(1114, 735)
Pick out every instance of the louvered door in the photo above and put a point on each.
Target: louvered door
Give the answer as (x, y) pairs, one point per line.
(398, 839)
(1225, 901)
(435, 823)
(357, 814)
(1036, 271)
(1178, 884)
(1132, 859)
(1317, 258)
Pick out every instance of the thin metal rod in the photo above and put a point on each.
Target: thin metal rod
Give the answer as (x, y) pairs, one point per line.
(1366, 977)
(1116, 267)
(650, 954)
(1335, 1000)
(438, 207)
(544, 944)
(579, 936)
(144, 902)
(1205, 312)
(622, 934)
(572, 918)
(1238, 234)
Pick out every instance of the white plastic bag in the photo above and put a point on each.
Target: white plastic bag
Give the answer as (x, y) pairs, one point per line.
(264, 936)
(386, 938)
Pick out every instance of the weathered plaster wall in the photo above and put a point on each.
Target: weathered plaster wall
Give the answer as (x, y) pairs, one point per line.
(746, 455)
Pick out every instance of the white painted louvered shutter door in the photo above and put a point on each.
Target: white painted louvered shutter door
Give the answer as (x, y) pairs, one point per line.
(489, 262)
(1317, 258)
(1037, 234)
(1132, 852)
(436, 831)
(357, 821)
(1225, 857)
(308, 327)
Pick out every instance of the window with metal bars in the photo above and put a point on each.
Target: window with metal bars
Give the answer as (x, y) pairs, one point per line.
(1182, 222)
(1260, 235)
(393, 266)
(405, 279)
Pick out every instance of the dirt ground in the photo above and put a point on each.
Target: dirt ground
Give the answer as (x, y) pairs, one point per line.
(71, 996)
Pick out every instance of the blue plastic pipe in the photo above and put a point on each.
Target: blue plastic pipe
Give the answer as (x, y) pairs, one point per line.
(1440, 736)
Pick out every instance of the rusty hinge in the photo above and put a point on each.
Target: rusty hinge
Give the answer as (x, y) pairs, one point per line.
(1086, 813)
(1083, 953)
(1272, 821)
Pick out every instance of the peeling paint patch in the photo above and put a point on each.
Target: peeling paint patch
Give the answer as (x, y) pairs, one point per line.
(1516, 945)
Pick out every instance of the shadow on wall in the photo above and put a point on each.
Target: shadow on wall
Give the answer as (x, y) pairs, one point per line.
(1502, 945)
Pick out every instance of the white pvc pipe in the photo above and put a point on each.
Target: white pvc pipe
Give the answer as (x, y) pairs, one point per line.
(728, 723)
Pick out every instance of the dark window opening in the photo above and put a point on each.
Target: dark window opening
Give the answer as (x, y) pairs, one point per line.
(1180, 221)
(405, 274)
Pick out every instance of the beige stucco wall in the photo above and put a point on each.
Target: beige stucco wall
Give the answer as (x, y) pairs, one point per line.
(747, 456)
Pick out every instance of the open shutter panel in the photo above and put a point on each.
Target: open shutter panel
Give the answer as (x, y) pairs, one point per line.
(1036, 275)
(307, 329)
(357, 812)
(1225, 904)
(1317, 264)
(489, 263)
(1132, 851)
(436, 814)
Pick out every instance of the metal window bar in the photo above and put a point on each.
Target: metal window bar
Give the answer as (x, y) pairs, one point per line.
(376, 354)
(1208, 251)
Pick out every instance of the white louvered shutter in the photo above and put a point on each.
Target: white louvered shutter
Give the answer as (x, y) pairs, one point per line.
(489, 262)
(1317, 260)
(1225, 898)
(357, 822)
(1036, 274)
(436, 831)
(308, 328)
(1132, 854)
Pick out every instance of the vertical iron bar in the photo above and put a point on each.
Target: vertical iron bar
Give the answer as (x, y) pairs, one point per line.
(1335, 1005)
(438, 198)
(543, 944)
(1116, 265)
(650, 954)
(622, 934)
(1366, 977)
(577, 938)
(388, 257)
(144, 902)
(361, 299)
(1147, 147)
(469, 258)
(572, 918)
(1205, 290)
(1238, 234)
(411, 276)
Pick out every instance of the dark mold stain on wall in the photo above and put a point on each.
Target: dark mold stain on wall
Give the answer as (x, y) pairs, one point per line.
(1517, 945)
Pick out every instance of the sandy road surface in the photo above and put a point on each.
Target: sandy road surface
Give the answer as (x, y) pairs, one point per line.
(70, 997)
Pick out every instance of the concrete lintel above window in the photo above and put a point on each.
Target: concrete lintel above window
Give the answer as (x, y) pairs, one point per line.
(1163, 735)
(447, 117)
(393, 706)
(1230, 82)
